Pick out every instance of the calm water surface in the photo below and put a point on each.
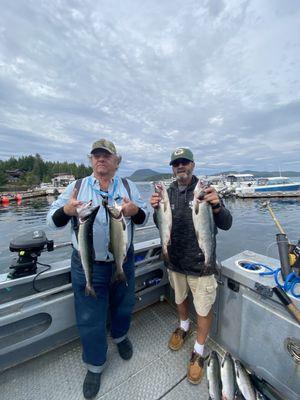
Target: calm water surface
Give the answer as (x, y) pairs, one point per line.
(253, 228)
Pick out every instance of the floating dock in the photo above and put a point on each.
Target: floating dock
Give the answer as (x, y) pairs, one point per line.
(295, 193)
(6, 198)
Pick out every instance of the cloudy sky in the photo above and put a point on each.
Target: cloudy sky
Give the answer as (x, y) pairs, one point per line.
(219, 76)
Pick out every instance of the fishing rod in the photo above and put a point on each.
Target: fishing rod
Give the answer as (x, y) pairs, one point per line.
(277, 223)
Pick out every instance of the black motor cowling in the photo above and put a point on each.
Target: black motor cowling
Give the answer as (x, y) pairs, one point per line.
(29, 247)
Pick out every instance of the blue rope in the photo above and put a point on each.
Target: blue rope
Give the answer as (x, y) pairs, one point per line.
(290, 281)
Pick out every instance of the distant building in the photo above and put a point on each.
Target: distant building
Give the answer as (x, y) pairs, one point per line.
(62, 179)
(13, 175)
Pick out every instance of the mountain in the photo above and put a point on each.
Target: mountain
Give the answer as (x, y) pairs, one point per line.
(141, 175)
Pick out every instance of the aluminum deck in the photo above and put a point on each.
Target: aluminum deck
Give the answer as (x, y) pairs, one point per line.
(153, 373)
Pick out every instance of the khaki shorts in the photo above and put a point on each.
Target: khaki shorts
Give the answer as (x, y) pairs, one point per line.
(203, 289)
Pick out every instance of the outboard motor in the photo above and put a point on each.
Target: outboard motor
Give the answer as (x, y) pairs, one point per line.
(283, 249)
(29, 247)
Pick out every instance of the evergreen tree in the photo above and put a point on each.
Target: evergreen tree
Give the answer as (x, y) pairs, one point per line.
(3, 178)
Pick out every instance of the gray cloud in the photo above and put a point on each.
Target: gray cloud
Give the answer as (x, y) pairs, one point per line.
(218, 76)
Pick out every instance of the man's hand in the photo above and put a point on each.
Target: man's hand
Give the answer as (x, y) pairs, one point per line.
(155, 199)
(211, 196)
(71, 207)
(129, 209)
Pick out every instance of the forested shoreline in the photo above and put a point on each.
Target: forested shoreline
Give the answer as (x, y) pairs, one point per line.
(33, 170)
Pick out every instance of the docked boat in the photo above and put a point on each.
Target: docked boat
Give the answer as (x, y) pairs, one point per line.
(233, 181)
(275, 185)
(227, 184)
(40, 354)
(52, 190)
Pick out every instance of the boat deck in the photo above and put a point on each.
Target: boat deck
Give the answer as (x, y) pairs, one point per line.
(153, 373)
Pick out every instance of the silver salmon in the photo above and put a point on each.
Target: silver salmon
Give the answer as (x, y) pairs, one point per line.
(164, 218)
(228, 378)
(213, 377)
(118, 236)
(204, 224)
(86, 218)
(244, 382)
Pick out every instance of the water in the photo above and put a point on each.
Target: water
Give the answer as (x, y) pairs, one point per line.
(253, 228)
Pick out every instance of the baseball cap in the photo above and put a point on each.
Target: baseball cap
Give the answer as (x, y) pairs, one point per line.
(105, 145)
(181, 152)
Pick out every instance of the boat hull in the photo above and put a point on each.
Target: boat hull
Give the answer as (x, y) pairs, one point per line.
(255, 327)
(277, 188)
(33, 323)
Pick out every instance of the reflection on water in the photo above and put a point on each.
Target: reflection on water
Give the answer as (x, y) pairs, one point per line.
(253, 228)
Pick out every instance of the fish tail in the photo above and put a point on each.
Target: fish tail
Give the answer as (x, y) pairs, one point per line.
(90, 291)
(119, 277)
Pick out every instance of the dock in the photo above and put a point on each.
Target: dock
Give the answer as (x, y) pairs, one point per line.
(295, 193)
(7, 197)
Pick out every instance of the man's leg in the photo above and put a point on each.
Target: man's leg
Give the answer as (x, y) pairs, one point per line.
(179, 283)
(91, 320)
(203, 328)
(183, 310)
(122, 300)
(204, 294)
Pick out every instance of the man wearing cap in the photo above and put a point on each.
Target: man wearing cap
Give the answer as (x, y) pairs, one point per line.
(186, 259)
(118, 297)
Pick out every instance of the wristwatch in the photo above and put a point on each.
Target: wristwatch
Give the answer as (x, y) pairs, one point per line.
(216, 206)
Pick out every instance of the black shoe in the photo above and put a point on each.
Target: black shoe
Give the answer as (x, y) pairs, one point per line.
(91, 385)
(125, 349)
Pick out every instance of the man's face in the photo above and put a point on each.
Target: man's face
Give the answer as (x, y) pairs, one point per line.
(183, 169)
(104, 164)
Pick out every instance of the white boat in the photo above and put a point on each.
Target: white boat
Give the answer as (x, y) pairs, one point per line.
(232, 181)
(50, 189)
(39, 328)
(227, 184)
(272, 184)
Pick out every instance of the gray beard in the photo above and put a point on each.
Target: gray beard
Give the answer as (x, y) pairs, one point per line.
(183, 177)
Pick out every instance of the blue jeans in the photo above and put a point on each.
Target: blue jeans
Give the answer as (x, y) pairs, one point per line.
(91, 313)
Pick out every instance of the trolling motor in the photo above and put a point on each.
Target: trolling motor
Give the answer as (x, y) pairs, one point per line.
(29, 247)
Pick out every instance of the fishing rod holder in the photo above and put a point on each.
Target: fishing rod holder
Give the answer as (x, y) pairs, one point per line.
(283, 250)
(29, 247)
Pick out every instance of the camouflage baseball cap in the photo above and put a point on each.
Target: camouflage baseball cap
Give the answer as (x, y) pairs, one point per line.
(105, 145)
(181, 152)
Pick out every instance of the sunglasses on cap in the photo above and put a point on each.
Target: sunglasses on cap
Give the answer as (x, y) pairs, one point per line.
(182, 161)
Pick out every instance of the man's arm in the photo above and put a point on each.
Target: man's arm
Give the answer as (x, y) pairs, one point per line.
(223, 219)
(136, 208)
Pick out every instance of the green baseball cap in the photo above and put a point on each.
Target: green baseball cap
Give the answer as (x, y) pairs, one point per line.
(181, 152)
(105, 145)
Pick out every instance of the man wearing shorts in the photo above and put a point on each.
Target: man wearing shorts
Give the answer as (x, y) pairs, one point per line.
(186, 259)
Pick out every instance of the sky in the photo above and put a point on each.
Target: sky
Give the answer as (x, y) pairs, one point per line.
(220, 77)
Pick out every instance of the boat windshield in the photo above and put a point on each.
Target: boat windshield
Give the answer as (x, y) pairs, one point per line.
(273, 181)
(240, 178)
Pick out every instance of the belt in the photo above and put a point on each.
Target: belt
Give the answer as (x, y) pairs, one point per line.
(103, 261)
